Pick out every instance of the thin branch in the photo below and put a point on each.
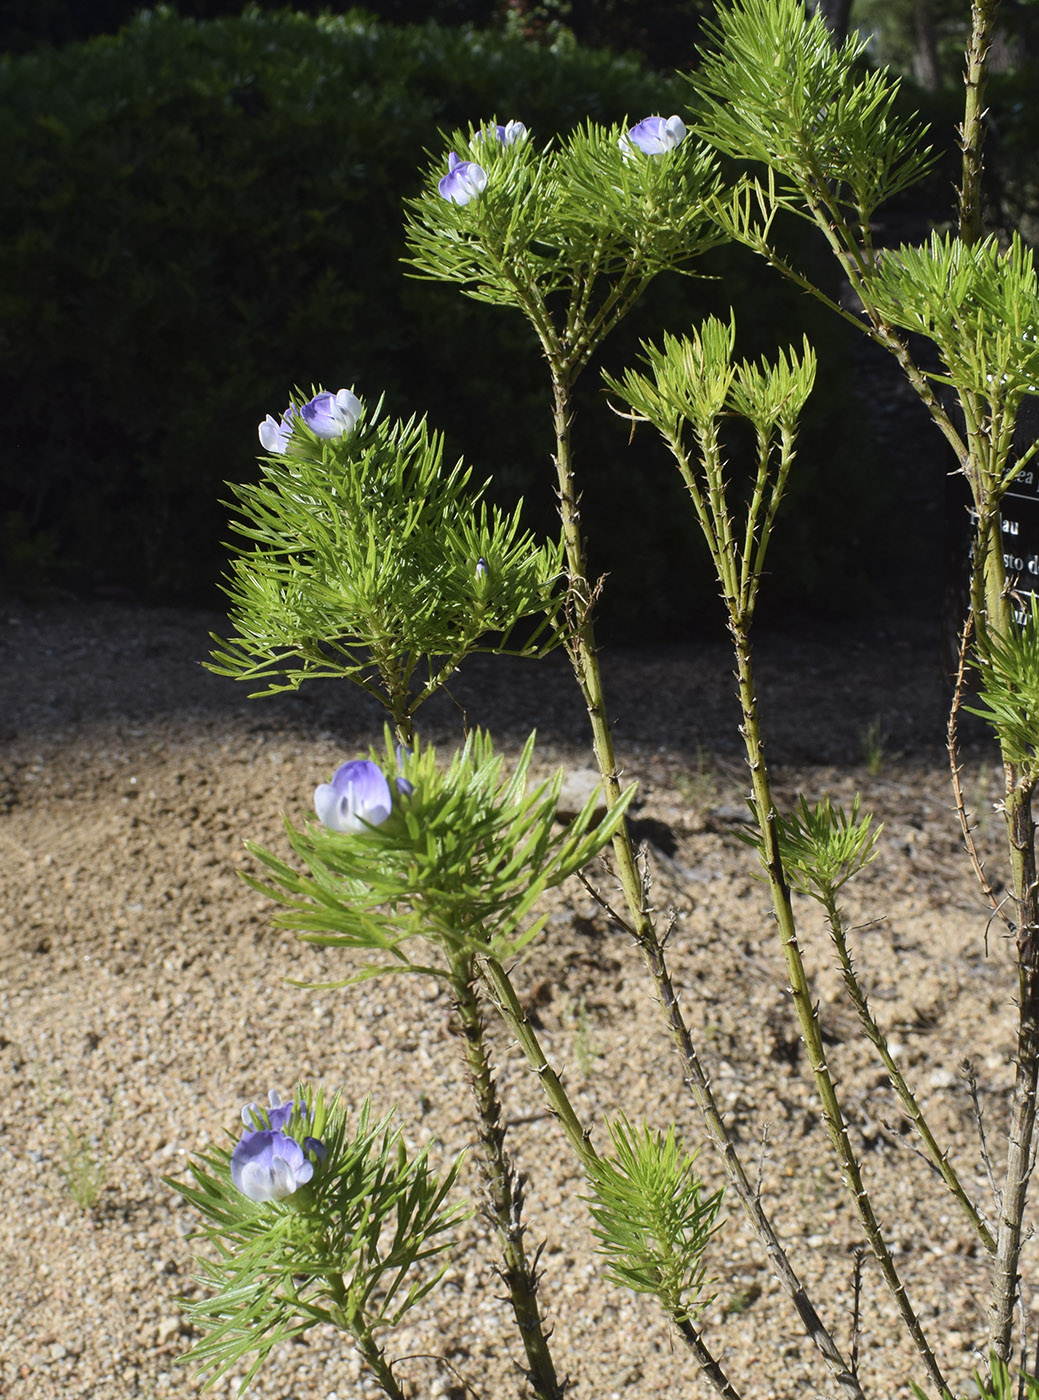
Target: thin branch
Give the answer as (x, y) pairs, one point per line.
(504, 1191)
(856, 1314)
(443, 1361)
(970, 1075)
(937, 1158)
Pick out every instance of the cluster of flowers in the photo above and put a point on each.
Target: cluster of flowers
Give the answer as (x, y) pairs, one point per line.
(326, 415)
(267, 1164)
(467, 179)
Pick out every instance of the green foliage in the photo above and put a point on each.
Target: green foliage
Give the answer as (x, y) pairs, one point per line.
(652, 1218)
(776, 89)
(83, 1162)
(822, 846)
(999, 1384)
(458, 866)
(694, 383)
(874, 736)
(583, 219)
(1008, 664)
(356, 1247)
(979, 305)
(364, 562)
(194, 216)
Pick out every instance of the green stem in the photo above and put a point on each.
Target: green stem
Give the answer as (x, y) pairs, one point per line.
(584, 656)
(580, 1140)
(519, 1024)
(353, 1322)
(877, 1038)
(972, 132)
(856, 264)
(993, 613)
(504, 1189)
(811, 1032)
(700, 1087)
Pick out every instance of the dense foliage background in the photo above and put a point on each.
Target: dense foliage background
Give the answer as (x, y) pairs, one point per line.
(198, 214)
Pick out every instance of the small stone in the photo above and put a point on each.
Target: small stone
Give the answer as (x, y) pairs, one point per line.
(169, 1327)
(579, 785)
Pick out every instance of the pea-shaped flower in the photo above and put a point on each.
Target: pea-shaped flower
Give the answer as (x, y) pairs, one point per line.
(269, 1165)
(654, 136)
(274, 436)
(332, 415)
(358, 797)
(465, 180)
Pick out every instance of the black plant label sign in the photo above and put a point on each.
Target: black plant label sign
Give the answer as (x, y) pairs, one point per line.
(1019, 519)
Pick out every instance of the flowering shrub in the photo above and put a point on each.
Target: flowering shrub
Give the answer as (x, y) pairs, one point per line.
(351, 570)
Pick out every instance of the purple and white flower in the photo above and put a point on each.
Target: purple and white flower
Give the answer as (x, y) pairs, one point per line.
(508, 135)
(332, 415)
(274, 436)
(465, 180)
(267, 1164)
(404, 787)
(275, 1114)
(358, 797)
(654, 136)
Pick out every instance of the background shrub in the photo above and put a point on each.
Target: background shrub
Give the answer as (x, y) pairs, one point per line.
(195, 215)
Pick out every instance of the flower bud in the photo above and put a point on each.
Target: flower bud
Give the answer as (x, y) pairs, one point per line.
(358, 797)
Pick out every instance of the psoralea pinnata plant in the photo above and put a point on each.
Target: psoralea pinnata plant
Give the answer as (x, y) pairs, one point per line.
(368, 560)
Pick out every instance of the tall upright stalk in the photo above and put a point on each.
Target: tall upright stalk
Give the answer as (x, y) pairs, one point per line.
(993, 614)
(811, 1031)
(972, 132)
(504, 1190)
(585, 659)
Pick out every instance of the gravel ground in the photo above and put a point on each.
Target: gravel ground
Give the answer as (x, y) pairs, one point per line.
(144, 997)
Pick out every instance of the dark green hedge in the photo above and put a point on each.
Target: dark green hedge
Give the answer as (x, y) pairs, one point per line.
(194, 216)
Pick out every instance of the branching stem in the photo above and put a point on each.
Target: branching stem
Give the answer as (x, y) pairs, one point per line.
(580, 1140)
(878, 1040)
(584, 656)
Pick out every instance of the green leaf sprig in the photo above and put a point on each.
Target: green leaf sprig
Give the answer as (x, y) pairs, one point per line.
(457, 868)
(774, 88)
(822, 846)
(652, 1217)
(570, 235)
(356, 1248)
(1008, 663)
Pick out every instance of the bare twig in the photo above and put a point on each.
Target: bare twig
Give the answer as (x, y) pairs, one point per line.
(970, 1075)
(856, 1314)
(443, 1361)
(765, 1128)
